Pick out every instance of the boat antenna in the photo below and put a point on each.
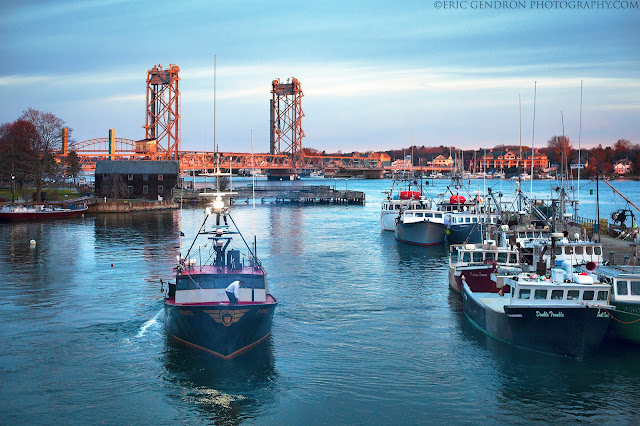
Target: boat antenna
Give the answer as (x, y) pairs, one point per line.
(533, 136)
(575, 210)
(253, 186)
(215, 146)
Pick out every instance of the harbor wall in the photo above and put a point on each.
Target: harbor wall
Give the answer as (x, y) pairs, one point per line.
(127, 206)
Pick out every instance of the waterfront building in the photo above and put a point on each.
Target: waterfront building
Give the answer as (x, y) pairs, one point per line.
(500, 160)
(152, 180)
(623, 167)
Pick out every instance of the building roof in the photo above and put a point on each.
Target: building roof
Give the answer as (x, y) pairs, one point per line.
(135, 167)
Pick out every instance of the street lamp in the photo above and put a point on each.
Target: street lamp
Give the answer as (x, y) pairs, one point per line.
(13, 183)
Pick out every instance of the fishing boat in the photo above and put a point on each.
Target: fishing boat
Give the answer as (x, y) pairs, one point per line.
(198, 312)
(40, 212)
(419, 224)
(478, 264)
(566, 314)
(625, 296)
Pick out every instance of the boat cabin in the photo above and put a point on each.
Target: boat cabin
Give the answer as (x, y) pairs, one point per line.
(531, 289)
(576, 252)
(466, 254)
(207, 284)
(421, 214)
(625, 282)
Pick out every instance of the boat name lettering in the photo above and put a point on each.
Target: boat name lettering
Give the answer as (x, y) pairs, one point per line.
(547, 314)
(632, 309)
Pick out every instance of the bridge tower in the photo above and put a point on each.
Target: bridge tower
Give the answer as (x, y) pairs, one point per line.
(163, 110)
(286, 116)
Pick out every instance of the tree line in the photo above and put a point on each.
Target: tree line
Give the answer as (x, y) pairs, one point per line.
(27, 147)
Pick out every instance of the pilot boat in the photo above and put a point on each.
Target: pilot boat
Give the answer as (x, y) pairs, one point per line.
(198, 312)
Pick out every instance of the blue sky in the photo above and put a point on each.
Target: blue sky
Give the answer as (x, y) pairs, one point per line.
(373, 73)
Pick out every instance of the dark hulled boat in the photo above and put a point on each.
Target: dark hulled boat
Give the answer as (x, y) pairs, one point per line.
(198, 312)
(568, 318)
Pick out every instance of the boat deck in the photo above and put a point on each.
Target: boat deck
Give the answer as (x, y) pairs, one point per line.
(270, 300)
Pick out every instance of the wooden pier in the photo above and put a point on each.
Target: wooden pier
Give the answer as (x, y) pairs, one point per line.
(294, 194)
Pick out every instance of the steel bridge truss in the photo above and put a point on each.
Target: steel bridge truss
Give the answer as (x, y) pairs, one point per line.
(286, 119)
(163, 110)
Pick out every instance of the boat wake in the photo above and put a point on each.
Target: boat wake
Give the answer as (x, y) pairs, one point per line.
(148, 324)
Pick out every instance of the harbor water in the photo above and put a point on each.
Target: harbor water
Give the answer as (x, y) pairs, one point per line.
(366, 330)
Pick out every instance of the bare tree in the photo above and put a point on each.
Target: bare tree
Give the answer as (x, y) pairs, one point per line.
(16, 153)
(113, 186)
(49, 128)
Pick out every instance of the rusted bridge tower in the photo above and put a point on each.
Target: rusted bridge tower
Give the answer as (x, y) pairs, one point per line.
(163, 111)
(286, 117)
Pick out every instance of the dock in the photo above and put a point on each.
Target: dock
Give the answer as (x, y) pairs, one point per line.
(295, 194)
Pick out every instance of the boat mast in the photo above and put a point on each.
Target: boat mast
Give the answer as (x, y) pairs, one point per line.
(533, 137)
(575, 210)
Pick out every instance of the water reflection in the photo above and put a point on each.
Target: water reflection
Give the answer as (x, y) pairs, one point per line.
(223, 391)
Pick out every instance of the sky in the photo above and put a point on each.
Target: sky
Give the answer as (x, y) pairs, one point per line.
(376, 75)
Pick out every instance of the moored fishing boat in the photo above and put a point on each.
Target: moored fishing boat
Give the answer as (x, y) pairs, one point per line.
(393, 205)
(625, 296)
(567, 315)
(40, 212)
(478, 265)
(420, 225)
(198, 311)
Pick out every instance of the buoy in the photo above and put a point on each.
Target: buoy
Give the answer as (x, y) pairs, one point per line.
(112, 265)
(32, 243)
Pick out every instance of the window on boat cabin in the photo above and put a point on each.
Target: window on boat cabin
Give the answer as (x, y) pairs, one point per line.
(502, 257)
(602, 295)
(489, 256)
(529, 234)
(635, 288)
(558, 250)
(145, 189)
(597, 250)
(467, 219)
(130, 177)
(573, 294)
(587, 295)
(428, 215)
(466, 257)
(474, 220)
(525, 293)
(477, 256)
(568, 250)
(438, 215)
(621, 288)
(513, 258)
(160, 177)
(557, 294)
(540, 294)
(588, 250)
(419, 214)
(145, 177)
(579, 250)
(130, 189)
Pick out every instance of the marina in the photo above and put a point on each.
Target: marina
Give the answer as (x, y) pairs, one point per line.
(393, 334)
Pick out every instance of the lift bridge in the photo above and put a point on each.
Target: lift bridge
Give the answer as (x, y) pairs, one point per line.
(162, 136)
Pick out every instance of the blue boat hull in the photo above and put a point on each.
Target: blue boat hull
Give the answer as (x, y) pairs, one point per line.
(223, 330)
(574, 331)
(464, 233)
(420, 233)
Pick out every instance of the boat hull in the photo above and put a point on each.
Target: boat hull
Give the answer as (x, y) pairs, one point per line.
(574, 331)
(388, 220)
(223, 330)
(628, 325)
(40, 215)
(465, 233)
(420, 233)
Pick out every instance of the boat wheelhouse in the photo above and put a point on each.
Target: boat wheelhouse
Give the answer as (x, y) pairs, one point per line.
(392, 207)
(477, 265)
(576, 252)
